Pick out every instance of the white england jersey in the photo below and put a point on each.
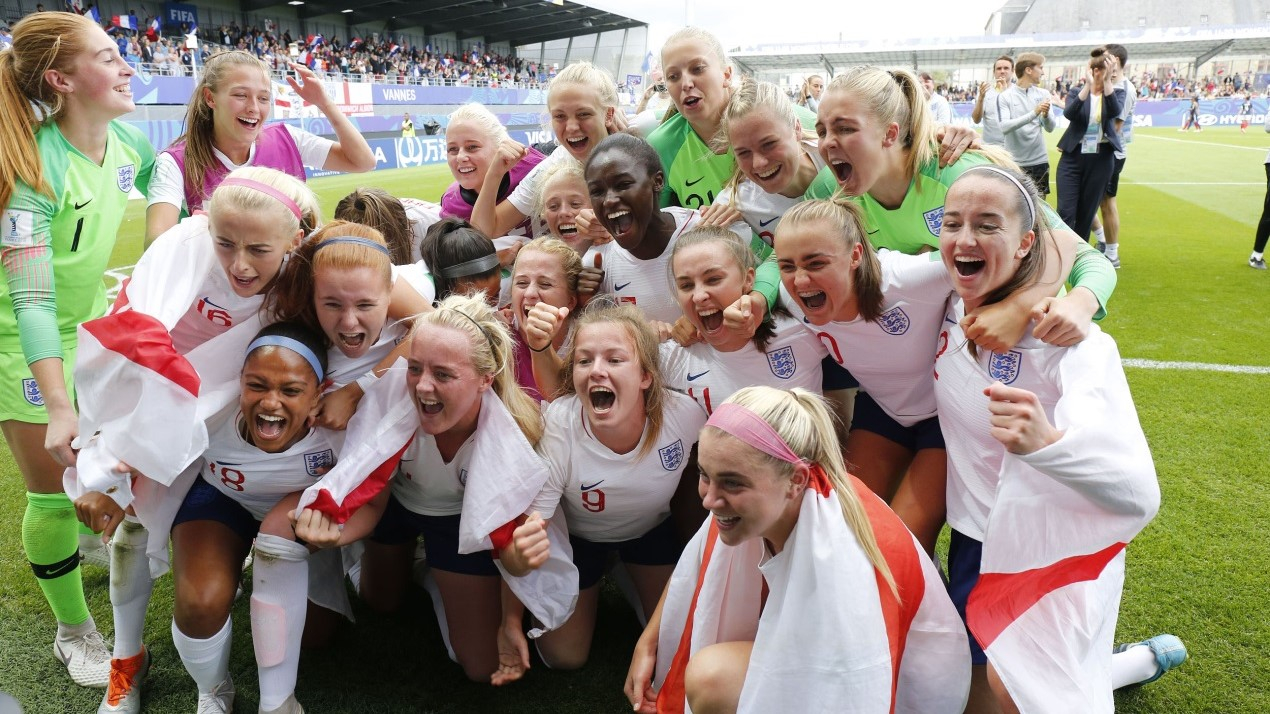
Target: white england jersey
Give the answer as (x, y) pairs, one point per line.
(792, 359)
(760, 209)
(892, 357)
(647, 284)
(426, 484)
(417, 276)
(342, 370)
(422, 214)
(258, 480)
(609, 497)
(216, 309)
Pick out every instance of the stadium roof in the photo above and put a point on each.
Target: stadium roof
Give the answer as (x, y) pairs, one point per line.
(978, 52)
(520, 22)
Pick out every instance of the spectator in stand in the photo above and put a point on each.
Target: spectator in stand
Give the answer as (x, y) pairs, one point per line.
(988, 105)
(1024, 114)
(939, 106)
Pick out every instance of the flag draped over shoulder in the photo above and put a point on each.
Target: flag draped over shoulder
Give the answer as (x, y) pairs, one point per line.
(1052, 571)
(146, 403)
(831, 636)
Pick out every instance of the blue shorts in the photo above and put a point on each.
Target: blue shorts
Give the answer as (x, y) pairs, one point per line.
(205, 502)
(964, 554)
(440, 538)
(868, 416)
(659, 546)
(834, 376)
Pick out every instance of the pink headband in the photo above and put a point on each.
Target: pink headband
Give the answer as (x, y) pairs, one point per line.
(268, 190)
(751, 429)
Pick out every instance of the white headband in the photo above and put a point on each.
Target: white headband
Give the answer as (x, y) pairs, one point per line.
(1027, 197)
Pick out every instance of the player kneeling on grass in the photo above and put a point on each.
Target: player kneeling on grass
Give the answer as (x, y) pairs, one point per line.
(1048, 478)
(262, 454)
(802, 589)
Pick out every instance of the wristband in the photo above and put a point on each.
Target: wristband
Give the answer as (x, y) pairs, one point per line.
(544, 347)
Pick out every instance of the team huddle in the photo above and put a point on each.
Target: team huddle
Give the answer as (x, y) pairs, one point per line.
(747, 368)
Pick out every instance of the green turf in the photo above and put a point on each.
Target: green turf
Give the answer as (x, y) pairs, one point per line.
(1185, 293)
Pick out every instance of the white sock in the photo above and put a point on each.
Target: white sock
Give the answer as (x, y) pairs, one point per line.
(67, 632)
(1113, 250)
(438, 606)
(1134, 665)
(1100, 235)
(279, 603)
(130, 586)
(1257, 256)
(207, 660)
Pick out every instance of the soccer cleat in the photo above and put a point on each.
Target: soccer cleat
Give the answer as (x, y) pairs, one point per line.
(123, 693)
(1101, 246)
(291, 706)
(218, 701)
(1257, 263)
(1168, 650)
(92, 551)
(87, 658)
(1115, 262)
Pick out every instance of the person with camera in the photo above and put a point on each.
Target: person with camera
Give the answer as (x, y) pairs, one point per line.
(1089, 144)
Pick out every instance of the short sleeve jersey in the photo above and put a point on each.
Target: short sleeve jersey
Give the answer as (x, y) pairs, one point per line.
(914, 226)
(609, 497)
(79, 221)
(763, 210)
(427, 484)
(216, 309)
(792, 359)
(422, 215)
(258, 480)
(892, 356)
(695, 175)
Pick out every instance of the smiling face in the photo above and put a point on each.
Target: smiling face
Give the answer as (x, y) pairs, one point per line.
(983, 239)
(469, 152)
(744, 492)
(99, 81)
(698, 82)
(564, 197)
(279, 398)
(1002, 70)
(539, 277)
(768, 151)
(608, 377)
(439, 375)
(623, 196)
(817, 268)
(352, 307)
(250, 247)
(578, 118)
(707, 280)
(240, 105)
(853, 143)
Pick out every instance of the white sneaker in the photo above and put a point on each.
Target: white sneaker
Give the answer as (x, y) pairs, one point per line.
(291, 706)
(218, 701)
(87, 658)
(123, 696)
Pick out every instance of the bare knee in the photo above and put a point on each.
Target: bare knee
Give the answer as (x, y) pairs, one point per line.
(714, 676)
(564, 658)
(201, 613)
(476, 668)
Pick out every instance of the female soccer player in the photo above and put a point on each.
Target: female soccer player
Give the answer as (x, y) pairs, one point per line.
(1049, 474)
(461, 259)
(563, 198)
(404, 222)
(544, 297)
(225, 129)
(474, 140)
(65, 176)
(620, 445)
(801, 588)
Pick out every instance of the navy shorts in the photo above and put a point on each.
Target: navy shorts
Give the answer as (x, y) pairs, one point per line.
(1114, 184)
(964, 554)
(440, 538)
(835, 376)
(659, 546)
(205, 502)
(868, 416)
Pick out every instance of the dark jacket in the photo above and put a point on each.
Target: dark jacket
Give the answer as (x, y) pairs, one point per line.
(1077, 112)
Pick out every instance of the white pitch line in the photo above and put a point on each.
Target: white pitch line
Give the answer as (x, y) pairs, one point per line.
(1203, 143)
(1195, 183)
(1196, 366)
(119, 274)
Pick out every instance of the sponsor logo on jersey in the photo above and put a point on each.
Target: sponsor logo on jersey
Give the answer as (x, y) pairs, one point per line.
(697, 180)
(80, 206)
(125, 176)
(934, 220)
(763, 224)
(316, 462)
(19, 228)
(894, 321)
(31, 391)
(782, 362)
(699, 375)
(588, 488)
(623, 285)
(1005, 367)
(672, 457)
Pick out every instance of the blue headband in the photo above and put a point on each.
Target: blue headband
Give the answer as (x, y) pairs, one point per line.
(292, 344)
(352, 240)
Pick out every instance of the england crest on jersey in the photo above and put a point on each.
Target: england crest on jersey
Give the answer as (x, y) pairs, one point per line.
(316, 462)
(1005, 367)
(894, 321)
(31, 390)
(672, 457)
(125, 176)
(934, 220)
(782, 362)
(463, 477)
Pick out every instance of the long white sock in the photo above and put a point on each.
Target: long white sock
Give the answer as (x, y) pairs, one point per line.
(279, 601)
(1100, 234)
(1113, 251)
(1257, 256)
(130, 585)
(1134, 665)
(207, 660)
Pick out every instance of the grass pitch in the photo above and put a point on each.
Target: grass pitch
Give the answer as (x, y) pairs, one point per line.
(1189, 205)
